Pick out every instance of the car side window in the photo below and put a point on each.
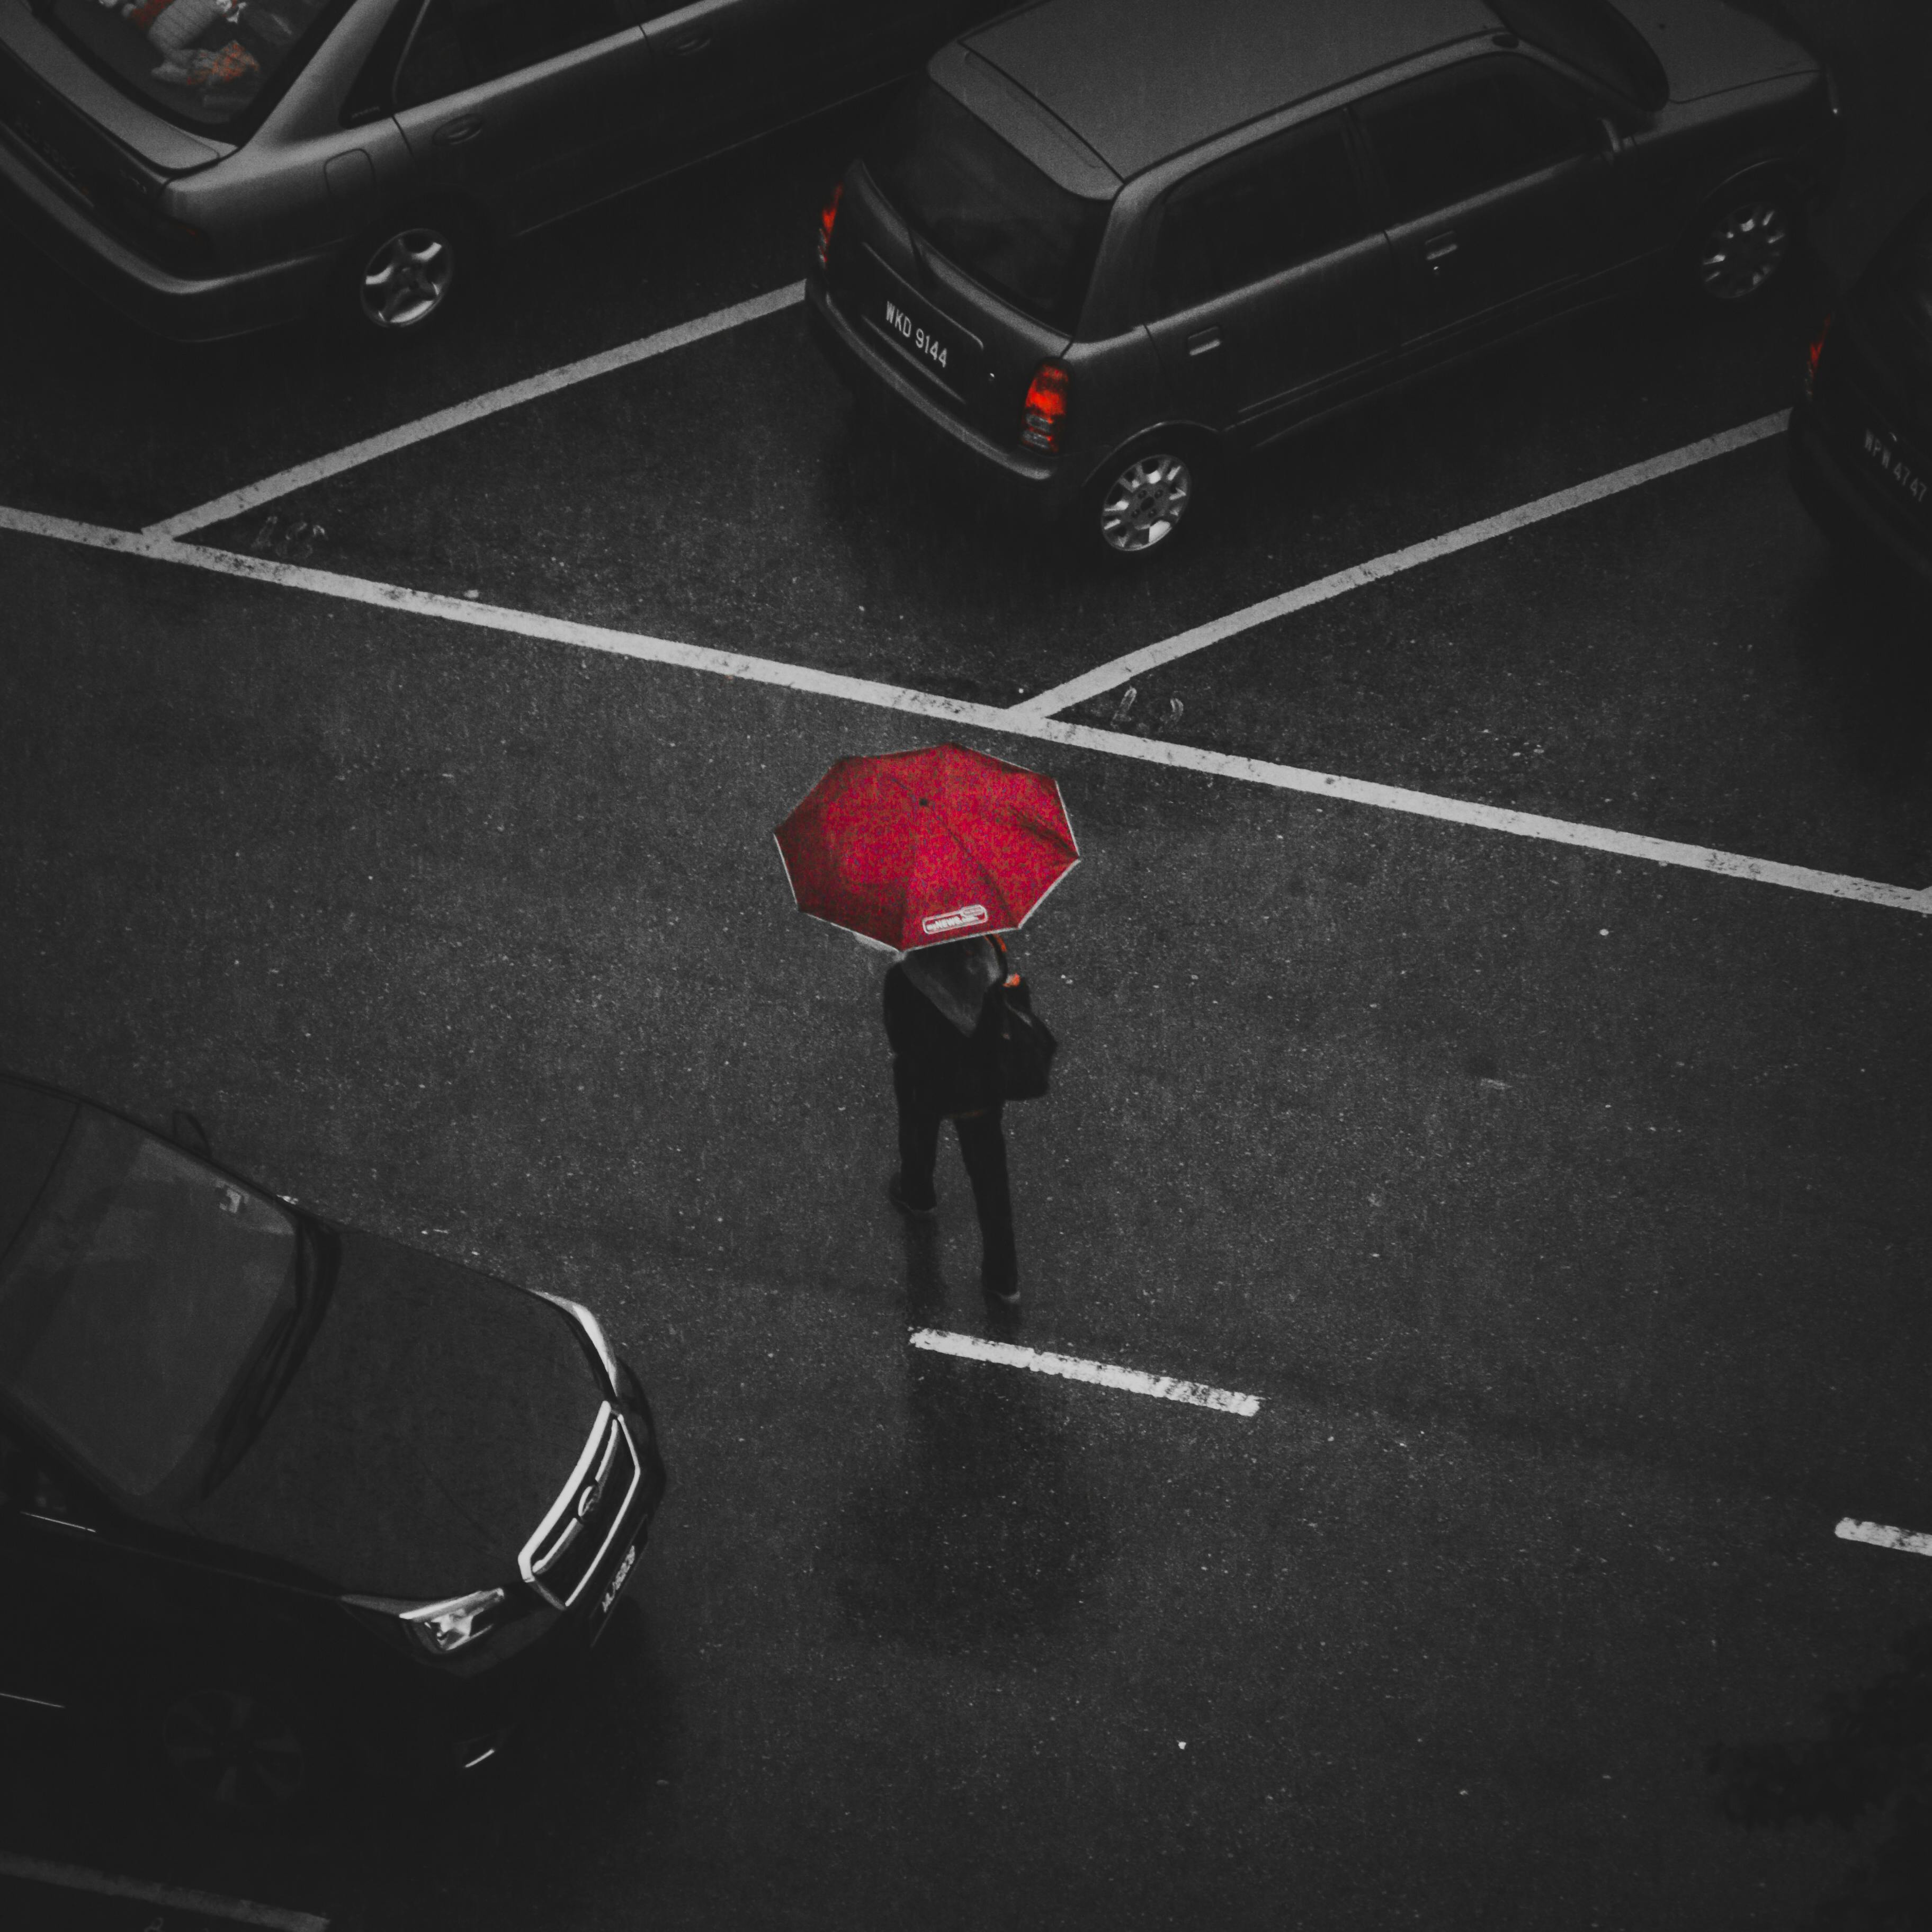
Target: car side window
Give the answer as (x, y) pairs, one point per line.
(1256, 215)
(1443, 140)
(463, 44)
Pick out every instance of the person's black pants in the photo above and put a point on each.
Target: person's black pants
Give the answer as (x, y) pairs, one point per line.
(982, 1144)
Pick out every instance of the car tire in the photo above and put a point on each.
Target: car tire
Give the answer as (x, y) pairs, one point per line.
(396, 281)
(242, 1754)
(1741, 241)
(1138, 501)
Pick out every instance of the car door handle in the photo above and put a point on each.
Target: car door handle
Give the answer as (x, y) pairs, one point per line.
(692, 43)
(1438, 249)
(453, 133)
(1202, 340)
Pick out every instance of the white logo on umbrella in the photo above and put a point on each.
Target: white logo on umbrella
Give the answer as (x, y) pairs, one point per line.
(952, 922)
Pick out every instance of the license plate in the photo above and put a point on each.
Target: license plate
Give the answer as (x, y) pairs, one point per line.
(617, 1583)
(1879, 449)
(947, 353)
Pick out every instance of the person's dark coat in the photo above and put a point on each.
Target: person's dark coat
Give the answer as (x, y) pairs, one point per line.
(952, 1071)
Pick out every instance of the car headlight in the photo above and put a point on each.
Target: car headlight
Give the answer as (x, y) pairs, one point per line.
(592, 1328)
(440, 1627)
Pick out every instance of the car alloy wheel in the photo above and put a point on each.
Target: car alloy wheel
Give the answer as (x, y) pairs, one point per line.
(234, 1755)
(1143, 505)
(1743, 249)
(407, 278)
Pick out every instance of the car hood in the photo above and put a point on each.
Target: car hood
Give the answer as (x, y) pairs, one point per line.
(1707, 46)
(434, 1417)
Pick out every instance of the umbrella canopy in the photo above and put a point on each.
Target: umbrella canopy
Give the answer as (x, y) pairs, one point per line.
(916, 848)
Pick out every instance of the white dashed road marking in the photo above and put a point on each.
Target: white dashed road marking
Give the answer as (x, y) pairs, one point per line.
(210, 1905)
(1885, 1536)
(1107, 1375)
(251, 496)
(986, 718)
(1151, 657)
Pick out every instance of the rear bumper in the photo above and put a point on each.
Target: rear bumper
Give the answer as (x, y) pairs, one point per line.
(179, 308)
(1039, 493)
(1847, 508)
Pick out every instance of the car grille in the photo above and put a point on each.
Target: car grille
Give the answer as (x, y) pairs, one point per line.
(576, 1534)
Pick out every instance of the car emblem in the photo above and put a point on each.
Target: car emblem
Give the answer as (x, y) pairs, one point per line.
(587, 1501)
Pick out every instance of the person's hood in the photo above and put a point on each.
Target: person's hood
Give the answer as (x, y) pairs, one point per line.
(1709, 46)
(956, 977)
(434, 1417)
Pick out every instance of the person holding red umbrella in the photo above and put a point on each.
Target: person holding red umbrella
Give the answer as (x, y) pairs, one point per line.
(930, 855)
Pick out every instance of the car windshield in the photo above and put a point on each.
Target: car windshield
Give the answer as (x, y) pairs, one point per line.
(134, 1299)
(985, 207)
(1596, 40)
(204, 63)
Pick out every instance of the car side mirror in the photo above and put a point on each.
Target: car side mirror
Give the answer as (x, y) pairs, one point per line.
(185, 1131)
(1614, 140)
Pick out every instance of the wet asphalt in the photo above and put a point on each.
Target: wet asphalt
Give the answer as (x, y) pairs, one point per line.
(1567, 1214)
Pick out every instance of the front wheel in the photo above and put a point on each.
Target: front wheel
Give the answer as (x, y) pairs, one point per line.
(1138, 501)
(242, 1754)
(1742, 240)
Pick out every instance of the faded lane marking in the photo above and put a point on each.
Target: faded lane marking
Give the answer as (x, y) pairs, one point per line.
(997, 720)
(251, 496)
(1106, 1375)
(1151, 657)
(1884, 1537)
(106, 1884)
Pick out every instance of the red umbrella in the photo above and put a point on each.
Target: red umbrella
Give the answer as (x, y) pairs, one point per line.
(917, 848)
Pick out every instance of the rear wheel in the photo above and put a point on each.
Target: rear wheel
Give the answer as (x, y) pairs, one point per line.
(1139, 501)
(395, 283)
(1742, 240)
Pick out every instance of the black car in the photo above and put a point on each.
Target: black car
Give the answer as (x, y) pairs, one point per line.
(1862, 434)
(278, 1499)
(1104, 242)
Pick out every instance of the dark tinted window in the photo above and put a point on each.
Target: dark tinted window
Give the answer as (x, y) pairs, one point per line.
(1251, 217)
(1441, 140)
(985, 207)
(464, 42)
(1892, 306)
(135, 1298)
(1596, 40)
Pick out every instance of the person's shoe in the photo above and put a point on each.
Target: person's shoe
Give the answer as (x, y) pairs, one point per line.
(1000, 1295)
(896, 1194)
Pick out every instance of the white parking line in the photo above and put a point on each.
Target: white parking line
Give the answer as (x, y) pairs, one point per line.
(1885, 1536)
(1107, 1375)
(213, 1905)
(1151, 657)
(982, 717)
(251, 495)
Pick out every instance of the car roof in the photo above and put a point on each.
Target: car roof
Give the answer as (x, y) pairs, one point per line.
(1138, 80)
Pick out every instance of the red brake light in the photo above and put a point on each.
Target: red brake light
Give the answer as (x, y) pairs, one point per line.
(1044, 409)
(1812, 354)
(827, 216)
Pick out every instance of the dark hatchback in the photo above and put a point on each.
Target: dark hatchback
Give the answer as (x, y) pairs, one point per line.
(1104, 242)
(279, 1499)
(1861, 433)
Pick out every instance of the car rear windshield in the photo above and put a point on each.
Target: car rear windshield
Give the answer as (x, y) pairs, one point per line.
(212, 64)
(985, 207)
(1596, 40)
(135, 1299)
(1894, 306)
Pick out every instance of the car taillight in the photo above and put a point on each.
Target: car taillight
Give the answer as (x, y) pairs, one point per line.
(827, 216)
(1044, 412)
(1812, 354)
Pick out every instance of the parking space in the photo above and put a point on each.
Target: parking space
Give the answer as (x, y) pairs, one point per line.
(1473, 1281)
